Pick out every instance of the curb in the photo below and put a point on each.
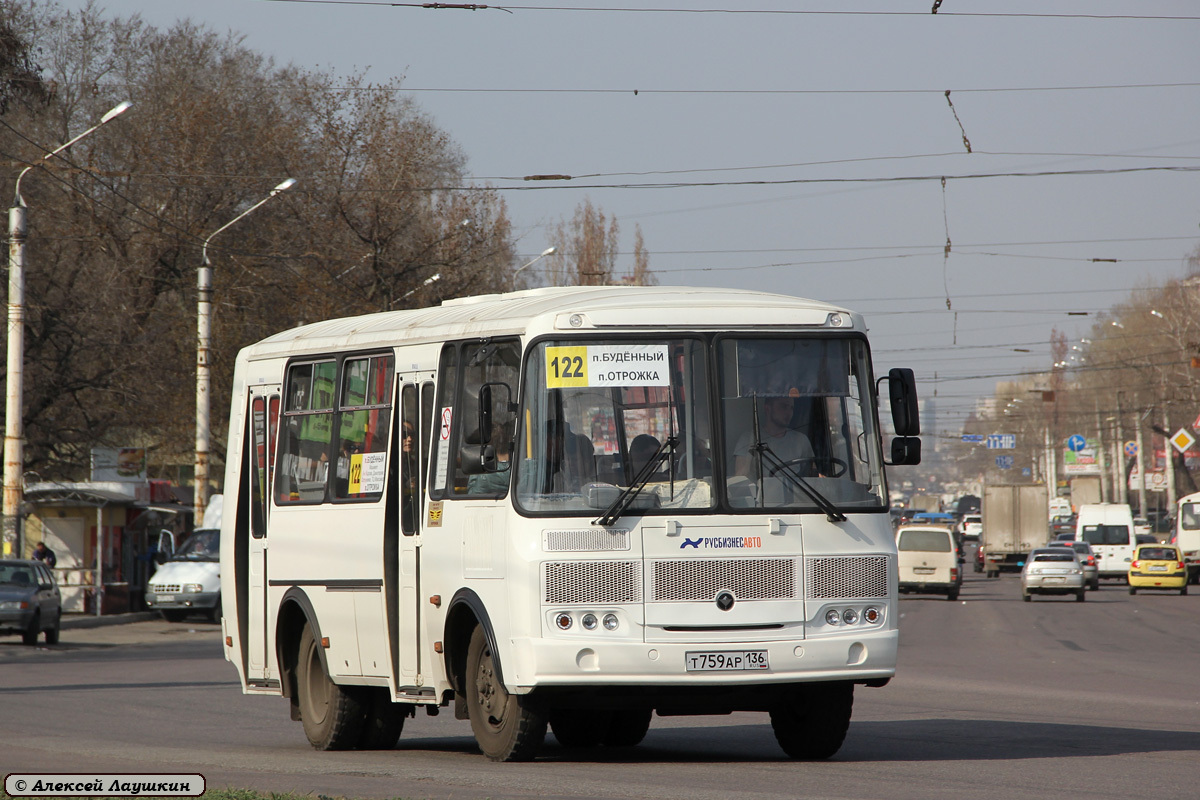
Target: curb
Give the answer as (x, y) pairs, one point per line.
(76, 621)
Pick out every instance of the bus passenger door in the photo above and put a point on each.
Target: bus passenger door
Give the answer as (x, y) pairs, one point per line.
(412, 492)
(264, 427)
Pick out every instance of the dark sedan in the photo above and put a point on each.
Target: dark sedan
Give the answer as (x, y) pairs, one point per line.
(29, 600)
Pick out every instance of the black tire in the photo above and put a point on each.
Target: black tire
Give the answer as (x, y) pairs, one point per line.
(1133, 590)
(627, 728)
(810, 721)
(30, 634)
(173, 615)
(1181, 591)
(52, 633)
(1096, 585)
(1027, 597)
(214, 613)
(506, 726)
(332, 717)
(952, 594)
(384, 720)
(580, 728)
(1080, 596)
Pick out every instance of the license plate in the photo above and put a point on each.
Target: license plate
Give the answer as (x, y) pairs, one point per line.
(726, 661)
(1158, 567)
(165, 598)
(1053, 580)
(923, 570)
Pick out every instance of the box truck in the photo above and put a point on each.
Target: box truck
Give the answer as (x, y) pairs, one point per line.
(1014, 522)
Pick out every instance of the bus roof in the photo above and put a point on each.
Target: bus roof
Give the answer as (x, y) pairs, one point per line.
(549, 309)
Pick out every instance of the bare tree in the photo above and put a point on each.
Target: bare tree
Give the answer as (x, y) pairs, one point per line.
(380, 208)
(586, 251)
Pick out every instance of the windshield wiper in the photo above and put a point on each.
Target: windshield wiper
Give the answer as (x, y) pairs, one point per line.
(762, 449)
(779, 466)
(639, 482)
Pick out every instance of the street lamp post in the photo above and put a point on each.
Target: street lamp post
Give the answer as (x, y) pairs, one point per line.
(203, 334)
(549, 251)
(14, 426)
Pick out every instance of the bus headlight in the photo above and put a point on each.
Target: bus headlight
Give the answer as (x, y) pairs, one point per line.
(832, 617)
(611, 623)
(850, 616)
(871, 615)
(589, 622)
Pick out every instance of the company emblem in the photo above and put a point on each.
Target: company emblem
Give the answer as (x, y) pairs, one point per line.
(691, 543)
(725, 601)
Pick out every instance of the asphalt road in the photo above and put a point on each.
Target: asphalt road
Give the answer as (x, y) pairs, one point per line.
(994, 698)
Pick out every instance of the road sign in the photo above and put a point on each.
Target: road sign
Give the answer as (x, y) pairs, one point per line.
(1076, 443)
(973, 438)
(1004, 462)
(1001, 441)
(1183, 439)
(1131, 449)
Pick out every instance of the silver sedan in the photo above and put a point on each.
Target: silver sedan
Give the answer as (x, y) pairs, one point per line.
(1053, 570)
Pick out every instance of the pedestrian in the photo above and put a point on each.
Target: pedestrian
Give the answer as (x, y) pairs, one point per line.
(45, 555)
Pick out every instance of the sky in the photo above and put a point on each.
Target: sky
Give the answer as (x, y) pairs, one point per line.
(799, 147)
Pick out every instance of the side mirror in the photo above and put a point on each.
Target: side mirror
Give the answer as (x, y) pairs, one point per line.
(902, 387)
(493, 397)
(906, 451)
(478, 459)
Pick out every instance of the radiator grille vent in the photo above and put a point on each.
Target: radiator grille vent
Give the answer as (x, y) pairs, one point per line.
(589, 539)
(845, 577)
(747, 578)
(593, 581)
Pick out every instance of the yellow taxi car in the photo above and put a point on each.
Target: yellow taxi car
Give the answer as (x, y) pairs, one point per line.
(1157, 566)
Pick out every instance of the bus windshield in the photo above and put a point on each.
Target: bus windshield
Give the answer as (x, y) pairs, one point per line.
(608, 420)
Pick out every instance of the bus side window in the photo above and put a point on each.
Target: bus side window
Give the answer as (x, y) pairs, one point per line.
(305, 433)
(410, 479)
(365, 412)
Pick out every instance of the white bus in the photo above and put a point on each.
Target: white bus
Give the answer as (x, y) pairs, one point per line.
(1187, 533)
(569, 508)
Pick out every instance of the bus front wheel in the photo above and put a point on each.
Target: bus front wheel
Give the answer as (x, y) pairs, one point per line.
(333, 718)
(506, 727)
(810, 721)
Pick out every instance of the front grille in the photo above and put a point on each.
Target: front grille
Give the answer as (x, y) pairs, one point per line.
(702, 579)
(592, 581)
(845, 577)
(165, 588)
(585, 539)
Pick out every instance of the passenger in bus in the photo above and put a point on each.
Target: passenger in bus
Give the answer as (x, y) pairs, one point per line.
(569, 459)
(495, 483)
(787, 444)
(408, 472)
(641, 450)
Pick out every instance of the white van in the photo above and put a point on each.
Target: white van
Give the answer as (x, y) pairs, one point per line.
(190, 581)
(928, 560)
(1108, 528)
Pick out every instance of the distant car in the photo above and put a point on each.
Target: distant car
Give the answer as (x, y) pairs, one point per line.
(30, 602)
(972, 527)
(1061, 525)
(1091, 568)
(1053, 570)
(928, 560)
(1157, 566)
(1069, 536)
(1145, 538)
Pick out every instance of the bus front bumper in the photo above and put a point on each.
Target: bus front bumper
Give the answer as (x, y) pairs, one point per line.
(867, 657)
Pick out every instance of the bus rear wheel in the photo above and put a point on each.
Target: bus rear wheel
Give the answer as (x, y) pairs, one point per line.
(333, 718)
(627, 728)
(506, 726)
(811, 720)
(384, 719)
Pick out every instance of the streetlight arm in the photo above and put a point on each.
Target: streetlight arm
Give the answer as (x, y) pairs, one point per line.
(289, 183)
(549, 251)
(112, 114)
